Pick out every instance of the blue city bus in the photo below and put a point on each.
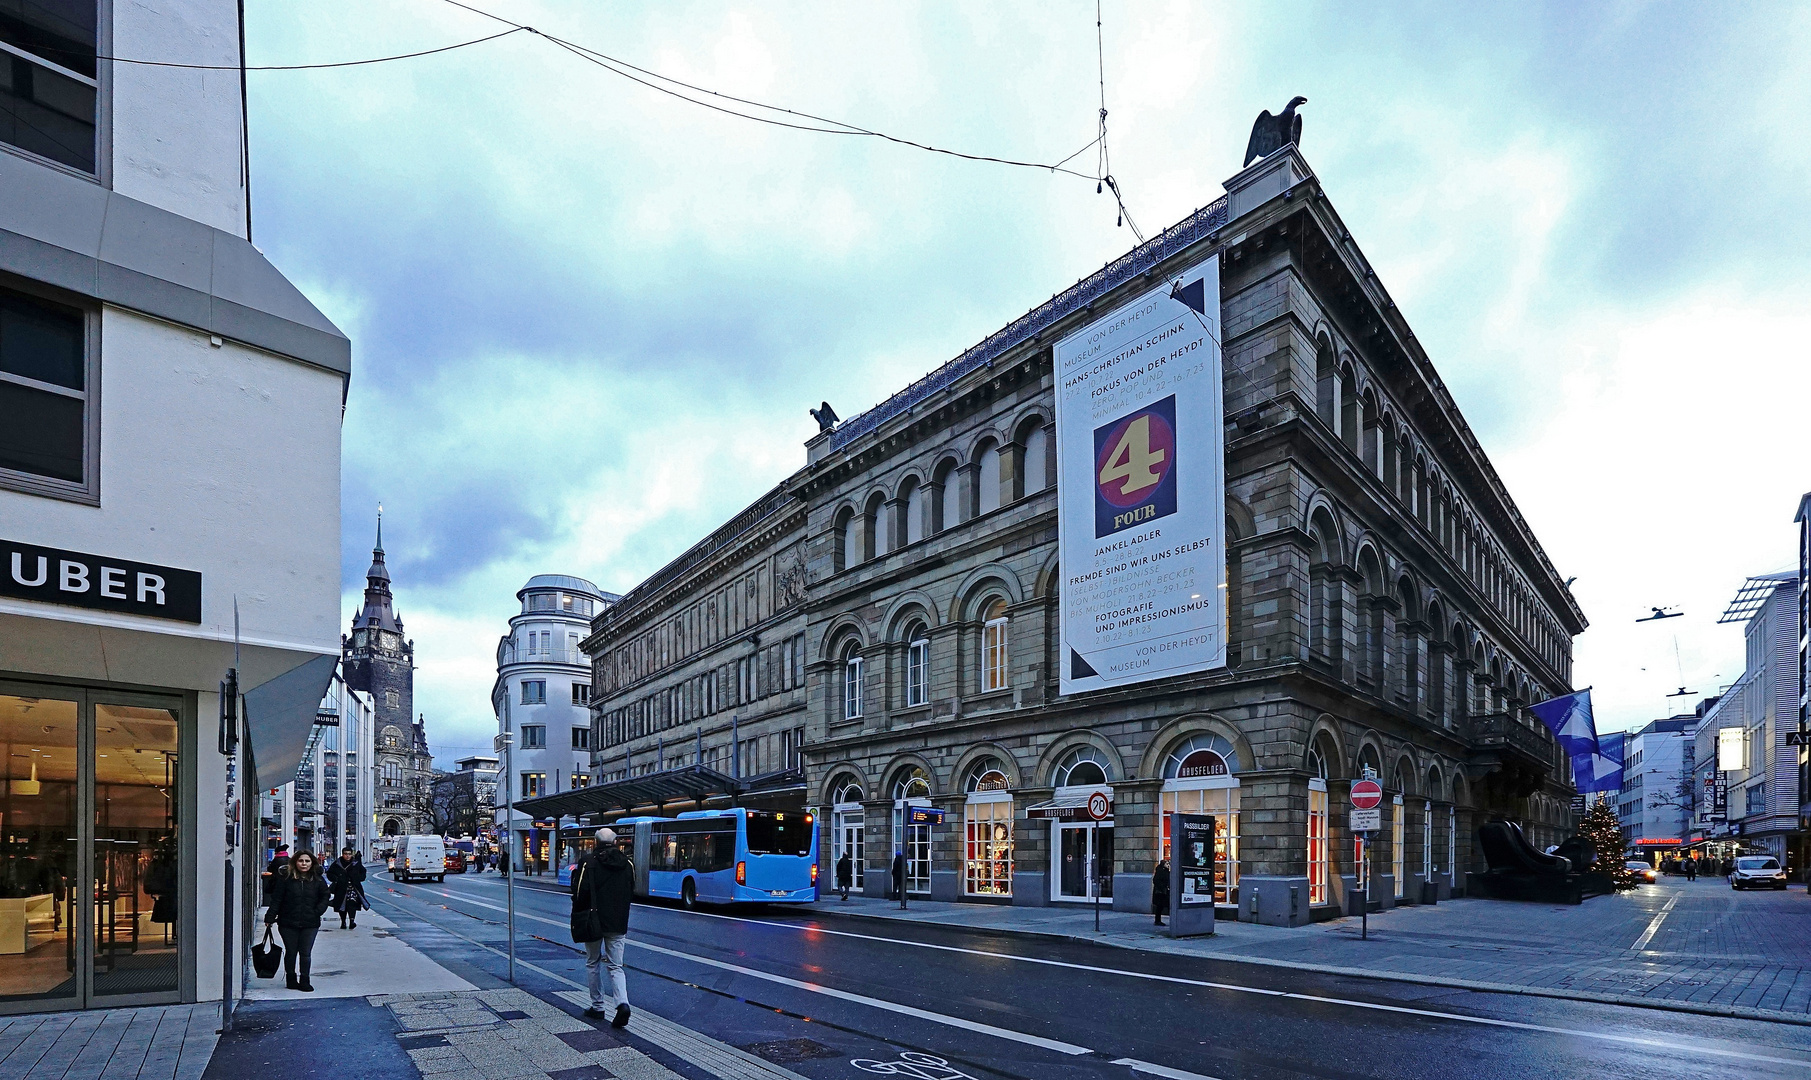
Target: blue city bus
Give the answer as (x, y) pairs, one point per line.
(734, 856)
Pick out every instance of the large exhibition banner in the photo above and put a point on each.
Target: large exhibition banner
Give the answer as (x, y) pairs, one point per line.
(1141, 488)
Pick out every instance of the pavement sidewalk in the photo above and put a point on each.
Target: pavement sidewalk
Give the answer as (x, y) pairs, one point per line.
(1691, 947)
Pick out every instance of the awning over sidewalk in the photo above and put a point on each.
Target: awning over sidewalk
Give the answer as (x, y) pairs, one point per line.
(690, 784)
(1063, 808)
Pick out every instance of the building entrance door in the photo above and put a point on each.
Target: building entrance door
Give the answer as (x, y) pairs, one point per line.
(92, 900)
(1080, 847)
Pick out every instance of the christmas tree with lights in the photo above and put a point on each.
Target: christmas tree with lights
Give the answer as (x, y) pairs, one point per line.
(1603, 830)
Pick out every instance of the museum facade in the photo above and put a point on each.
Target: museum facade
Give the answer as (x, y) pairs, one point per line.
(1389, 613)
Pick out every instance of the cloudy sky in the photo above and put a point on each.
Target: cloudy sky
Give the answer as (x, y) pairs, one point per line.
(588, 319)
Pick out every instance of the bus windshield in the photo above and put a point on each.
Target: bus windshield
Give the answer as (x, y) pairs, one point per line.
(774, 834)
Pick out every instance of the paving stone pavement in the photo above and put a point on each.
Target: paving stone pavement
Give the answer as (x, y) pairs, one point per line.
(1710, 950)
(170, 1042)
(509, 1034)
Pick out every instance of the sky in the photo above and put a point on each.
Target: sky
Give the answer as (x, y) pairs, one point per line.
(588, 319)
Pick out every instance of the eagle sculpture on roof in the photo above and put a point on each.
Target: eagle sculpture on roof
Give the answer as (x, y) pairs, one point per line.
(1271, 133)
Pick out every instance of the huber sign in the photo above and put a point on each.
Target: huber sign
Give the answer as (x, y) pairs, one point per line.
(53, 576)
(1141, 488)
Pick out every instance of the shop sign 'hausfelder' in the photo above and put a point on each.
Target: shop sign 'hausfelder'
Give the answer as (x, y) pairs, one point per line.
(77, 579)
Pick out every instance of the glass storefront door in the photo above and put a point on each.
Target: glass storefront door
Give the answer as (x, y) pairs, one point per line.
(846, 825)
(90, 887)
(1080, 847)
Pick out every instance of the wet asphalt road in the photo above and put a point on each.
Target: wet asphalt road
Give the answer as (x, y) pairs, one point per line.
(836, 997)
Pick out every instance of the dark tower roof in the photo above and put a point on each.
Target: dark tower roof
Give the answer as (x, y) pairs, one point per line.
(379, 611)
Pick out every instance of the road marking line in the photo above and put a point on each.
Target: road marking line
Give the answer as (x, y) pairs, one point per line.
(1160, 1070)
(1517, 1025)
(876, 1003)
(1654, 926)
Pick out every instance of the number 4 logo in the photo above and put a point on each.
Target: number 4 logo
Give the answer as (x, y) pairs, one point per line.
(1135, 468)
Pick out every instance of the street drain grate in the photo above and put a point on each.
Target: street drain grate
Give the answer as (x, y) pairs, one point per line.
(786, 1051)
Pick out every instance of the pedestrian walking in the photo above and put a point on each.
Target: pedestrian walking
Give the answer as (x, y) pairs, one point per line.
(603, 884)
(1160, 890)
(347, 876)
(279, 865)
(845, 875)
(1690, 867)
(297, 911)
(899, 878)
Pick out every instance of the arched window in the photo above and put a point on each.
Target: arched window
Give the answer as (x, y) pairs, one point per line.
(986, 775)
(911, 505)
(847, 829)
(848, 793)
(879, 539)
(987, 830)
(1037, 459)
(1084, 766)
(848, 540)
(918, 666)
(912, 784)
(913, 788)
(987, 477)
(852, 683)
(1319, 870)
(1399, 836)
(993, 646)
(949, 510)
(1326, 384)
(1201, 756)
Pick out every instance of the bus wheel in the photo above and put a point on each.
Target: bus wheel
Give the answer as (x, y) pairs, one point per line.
(688, 895)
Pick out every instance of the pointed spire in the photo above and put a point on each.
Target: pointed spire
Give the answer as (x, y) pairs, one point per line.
(380, 528)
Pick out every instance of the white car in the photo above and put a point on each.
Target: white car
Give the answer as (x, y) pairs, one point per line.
(1757, 872)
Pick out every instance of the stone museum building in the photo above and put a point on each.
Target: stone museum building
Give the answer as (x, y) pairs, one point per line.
(881, 628)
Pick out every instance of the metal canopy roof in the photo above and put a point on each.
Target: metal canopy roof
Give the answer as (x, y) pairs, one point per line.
(1754, 594)
(692, 783)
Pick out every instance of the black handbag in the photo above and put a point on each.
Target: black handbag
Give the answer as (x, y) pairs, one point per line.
(587, 925)
(267, 957)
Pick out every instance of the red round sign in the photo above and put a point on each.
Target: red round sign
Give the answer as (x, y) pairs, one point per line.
(1366, 794)
(1100, 808)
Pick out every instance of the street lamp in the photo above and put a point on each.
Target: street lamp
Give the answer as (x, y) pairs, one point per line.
(501, 745)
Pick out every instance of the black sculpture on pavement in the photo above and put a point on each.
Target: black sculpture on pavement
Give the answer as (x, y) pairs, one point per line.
(1271, 133)
(1520, 871)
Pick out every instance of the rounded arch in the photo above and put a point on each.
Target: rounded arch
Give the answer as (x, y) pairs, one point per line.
(1029, 417)
(1435, 618)
(1408, 594)
(1370, 753)
(902, 769)
(979, 444)
(1069, 742)
(908, 482)
(1241, 521)
(1048, 583)
(839, 777)
(1404, 777)
(1188, 726)
(913, 603)
(1369, 563)
(975, 585)
(979, 753)
(1461, 788)
(842, 630)
(1433, 786)
(1323, 528)
(1323, 738)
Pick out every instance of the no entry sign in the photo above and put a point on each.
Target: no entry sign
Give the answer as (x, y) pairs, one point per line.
(1366, 794)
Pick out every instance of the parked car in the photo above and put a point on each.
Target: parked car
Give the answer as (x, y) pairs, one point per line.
(1643, 872)
(1757, 872)
(419, 857)
(455, 861)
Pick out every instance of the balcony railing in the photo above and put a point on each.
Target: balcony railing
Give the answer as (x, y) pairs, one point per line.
(511, 654)
(1499, 731)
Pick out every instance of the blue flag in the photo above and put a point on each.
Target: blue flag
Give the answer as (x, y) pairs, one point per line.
(1570, 720)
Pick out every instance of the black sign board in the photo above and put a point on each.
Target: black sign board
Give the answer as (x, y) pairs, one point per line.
(923, 815)
(1193, 845)
(77, 579)
(1798, 738)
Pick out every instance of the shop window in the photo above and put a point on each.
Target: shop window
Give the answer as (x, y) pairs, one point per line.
(913, 789)
(988, 855)
(1398, 841)
(918, 666)
(993, 646)
(48, 95)
(1319, 872)
(846, 831)
(1427, 841)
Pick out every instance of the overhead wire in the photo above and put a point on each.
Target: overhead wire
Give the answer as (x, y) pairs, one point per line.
(822, 125)
(309, 67)
(1104, 172)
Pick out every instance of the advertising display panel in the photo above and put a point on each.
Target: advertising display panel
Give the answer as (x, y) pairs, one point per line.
(1141, 488)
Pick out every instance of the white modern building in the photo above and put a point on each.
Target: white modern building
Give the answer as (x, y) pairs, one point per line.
(169, 481)
(542, 700)
(1658, 789)
(1747, 774)
(328, 806)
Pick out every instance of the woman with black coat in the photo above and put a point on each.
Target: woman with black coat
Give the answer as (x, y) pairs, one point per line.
(297, 911)
(347, 876)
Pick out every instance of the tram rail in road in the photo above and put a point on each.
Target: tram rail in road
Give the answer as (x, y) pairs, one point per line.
(1702, 1051)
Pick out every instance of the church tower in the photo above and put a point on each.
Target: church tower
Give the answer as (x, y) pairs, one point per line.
(380, 661)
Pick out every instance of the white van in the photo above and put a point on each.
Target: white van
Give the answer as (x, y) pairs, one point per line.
(419, 857)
